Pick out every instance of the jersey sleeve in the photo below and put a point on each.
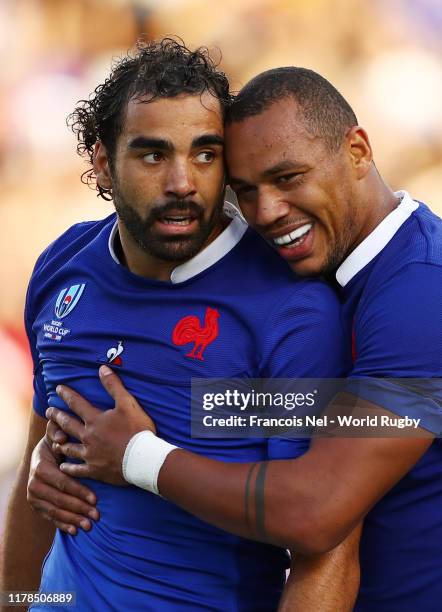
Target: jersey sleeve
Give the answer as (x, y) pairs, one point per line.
(39, 402)
(69, 243)
(398, 344)
(306, 338)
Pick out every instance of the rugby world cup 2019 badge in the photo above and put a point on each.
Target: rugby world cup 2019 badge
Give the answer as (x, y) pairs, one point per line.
(66, 301)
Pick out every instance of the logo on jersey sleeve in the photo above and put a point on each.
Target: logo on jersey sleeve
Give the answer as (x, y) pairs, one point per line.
(189, 329)
(67, 300)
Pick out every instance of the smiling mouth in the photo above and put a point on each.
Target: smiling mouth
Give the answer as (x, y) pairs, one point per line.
(295, 238)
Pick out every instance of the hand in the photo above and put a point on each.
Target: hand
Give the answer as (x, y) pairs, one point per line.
(103, 435)
(56, 496)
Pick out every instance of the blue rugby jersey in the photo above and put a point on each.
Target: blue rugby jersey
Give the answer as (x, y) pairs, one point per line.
(235, 310)
(392, 285)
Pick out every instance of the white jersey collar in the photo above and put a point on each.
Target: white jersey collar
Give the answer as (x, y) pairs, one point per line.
(213, 252)
(377, 240)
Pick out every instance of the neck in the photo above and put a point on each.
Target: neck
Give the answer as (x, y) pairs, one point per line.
(144, 264)
(379, 202)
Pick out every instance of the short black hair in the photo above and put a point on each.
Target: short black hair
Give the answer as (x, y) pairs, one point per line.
(327, 114)
(158, 69)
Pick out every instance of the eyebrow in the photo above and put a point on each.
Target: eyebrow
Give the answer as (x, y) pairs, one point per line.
(269, 172)
(145, 142)
(281, 166)
(207, 139)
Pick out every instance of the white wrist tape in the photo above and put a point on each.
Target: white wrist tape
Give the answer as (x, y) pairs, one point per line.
(143, 458)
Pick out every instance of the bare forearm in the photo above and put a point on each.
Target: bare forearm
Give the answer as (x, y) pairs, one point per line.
(299, 504)
(326, 582)
(27, 540)
(253, 500)
(27, 537)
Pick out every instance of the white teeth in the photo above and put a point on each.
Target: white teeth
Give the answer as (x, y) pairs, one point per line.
(297, 233)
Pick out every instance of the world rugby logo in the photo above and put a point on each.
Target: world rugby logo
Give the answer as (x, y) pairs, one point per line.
(67, 300)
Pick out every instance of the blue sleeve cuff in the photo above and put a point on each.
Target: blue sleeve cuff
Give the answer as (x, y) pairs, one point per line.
(405, 397)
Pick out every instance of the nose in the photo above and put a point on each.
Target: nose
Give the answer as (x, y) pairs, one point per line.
(179, 180)
(269, 208)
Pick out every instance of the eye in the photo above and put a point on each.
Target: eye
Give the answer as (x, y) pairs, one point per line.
(245, 192)
(285, 178)
(153, 158)
(290, 178)
(205, 157)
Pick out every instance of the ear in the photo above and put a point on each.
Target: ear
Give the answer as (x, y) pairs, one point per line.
(360, 151)
(101, 166)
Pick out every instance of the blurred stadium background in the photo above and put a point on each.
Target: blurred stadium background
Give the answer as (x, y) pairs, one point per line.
(384, 56)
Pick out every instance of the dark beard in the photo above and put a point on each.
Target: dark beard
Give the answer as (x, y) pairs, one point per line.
(172, 248)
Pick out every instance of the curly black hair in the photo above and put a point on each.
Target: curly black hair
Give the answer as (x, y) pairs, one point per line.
(159, 69)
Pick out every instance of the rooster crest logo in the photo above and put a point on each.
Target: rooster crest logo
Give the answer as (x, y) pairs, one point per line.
(189, 329)
(113, 355)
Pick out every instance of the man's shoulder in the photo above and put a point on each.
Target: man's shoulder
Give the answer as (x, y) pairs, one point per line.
(70, 243)
(428, 236)
(404, 286)
(420, 240)
(397, 329)
(417, 245)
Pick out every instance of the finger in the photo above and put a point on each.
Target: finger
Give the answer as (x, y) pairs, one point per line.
(72, 520)
(69, 424)
(55, 434)
(72, 450)
(53, 477)
(44, 509)
(63, 502)
(113, 385)
(70, 529)
(55, 515)
(77, 470)
(41, 493)
(77, 403)
(77, 522)
(55, 449)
